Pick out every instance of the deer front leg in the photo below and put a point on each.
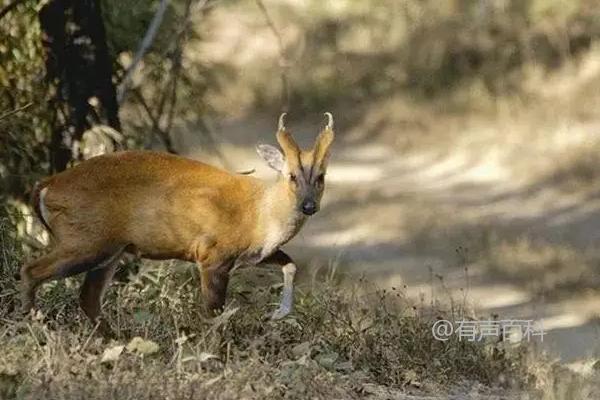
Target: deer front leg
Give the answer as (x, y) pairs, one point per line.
(289, 271)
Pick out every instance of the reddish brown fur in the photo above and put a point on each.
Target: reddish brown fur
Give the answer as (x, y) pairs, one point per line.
(161, 206)
(156, 205)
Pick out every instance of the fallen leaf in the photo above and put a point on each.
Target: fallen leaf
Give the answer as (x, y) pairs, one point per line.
(301, 349)
(344, 366)
(142, 346)
(224, 317)
(112, 354)
(328, 359)
(206, 356)
(302, 360)
(213, 380)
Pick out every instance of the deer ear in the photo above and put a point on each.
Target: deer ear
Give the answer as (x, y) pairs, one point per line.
(324, 141)
(322, 145)
(272, 156)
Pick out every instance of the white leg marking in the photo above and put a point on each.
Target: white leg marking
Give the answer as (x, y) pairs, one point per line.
(287, 296)
(43, 209)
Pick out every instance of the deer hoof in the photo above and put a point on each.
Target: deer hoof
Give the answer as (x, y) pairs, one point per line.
(280, 313)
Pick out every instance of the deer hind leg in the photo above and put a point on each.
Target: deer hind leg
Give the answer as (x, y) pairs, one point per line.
(33, 274)
(214, 287)
(93, 288)
(59, 263)
(92, 292)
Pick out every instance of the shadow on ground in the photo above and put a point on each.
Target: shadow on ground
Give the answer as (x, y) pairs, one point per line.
(448, 222)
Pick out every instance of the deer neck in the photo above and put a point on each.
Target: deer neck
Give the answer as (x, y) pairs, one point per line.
(279, 219)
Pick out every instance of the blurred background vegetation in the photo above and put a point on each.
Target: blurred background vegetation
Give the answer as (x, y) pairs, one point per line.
(328, 53)
(381, 65)
(218, 60)
(469, 123)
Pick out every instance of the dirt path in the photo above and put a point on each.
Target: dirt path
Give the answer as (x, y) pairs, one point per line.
(425, 221)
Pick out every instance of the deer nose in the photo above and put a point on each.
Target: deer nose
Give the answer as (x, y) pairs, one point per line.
(309, 207)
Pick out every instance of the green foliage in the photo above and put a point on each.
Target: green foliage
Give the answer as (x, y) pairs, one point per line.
(23, 135)
(127, 21)
(126, 24)
(10, 257)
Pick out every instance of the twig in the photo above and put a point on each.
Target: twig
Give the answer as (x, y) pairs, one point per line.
(33, 242)
(140, 97)
(283, 61)
(176, 69)
(271, 24)
(171, 95)
(165, 133)
(155, 123)
(144, 46)
(209, 132)
(15, 111)
(10, 7)
(164, 109)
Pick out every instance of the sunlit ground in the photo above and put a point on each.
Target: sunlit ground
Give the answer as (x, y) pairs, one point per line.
(488, 201)
(478, 218)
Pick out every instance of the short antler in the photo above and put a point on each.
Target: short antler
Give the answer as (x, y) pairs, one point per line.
(329, 120)
(287, 143)
(281, 124)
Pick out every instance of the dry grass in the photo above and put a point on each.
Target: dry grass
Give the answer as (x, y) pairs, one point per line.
(545, 267)
(538, 265)
(506, 253)
(338, 343)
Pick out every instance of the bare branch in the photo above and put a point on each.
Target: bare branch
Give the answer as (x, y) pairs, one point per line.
(283, 61)
(177, 58)
(144, 46)
(145, 106)
(170, 92)
(162, 135)
(10, 7)
(15, 111)
(271, 24)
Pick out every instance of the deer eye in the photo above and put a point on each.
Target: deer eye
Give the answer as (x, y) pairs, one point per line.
(293, 178)
(321, 179)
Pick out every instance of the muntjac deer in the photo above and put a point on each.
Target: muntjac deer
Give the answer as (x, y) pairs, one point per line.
(162, 206)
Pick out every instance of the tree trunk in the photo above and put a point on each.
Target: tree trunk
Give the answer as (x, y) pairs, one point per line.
(78, 68)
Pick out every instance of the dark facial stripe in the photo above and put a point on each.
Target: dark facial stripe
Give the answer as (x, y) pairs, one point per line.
(310, 174)
(312, 168)
(305, 177)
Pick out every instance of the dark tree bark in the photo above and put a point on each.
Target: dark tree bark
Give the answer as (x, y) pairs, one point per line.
(78, 67)
(8, 8)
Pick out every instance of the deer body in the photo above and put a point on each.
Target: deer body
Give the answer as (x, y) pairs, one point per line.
(162, 206)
